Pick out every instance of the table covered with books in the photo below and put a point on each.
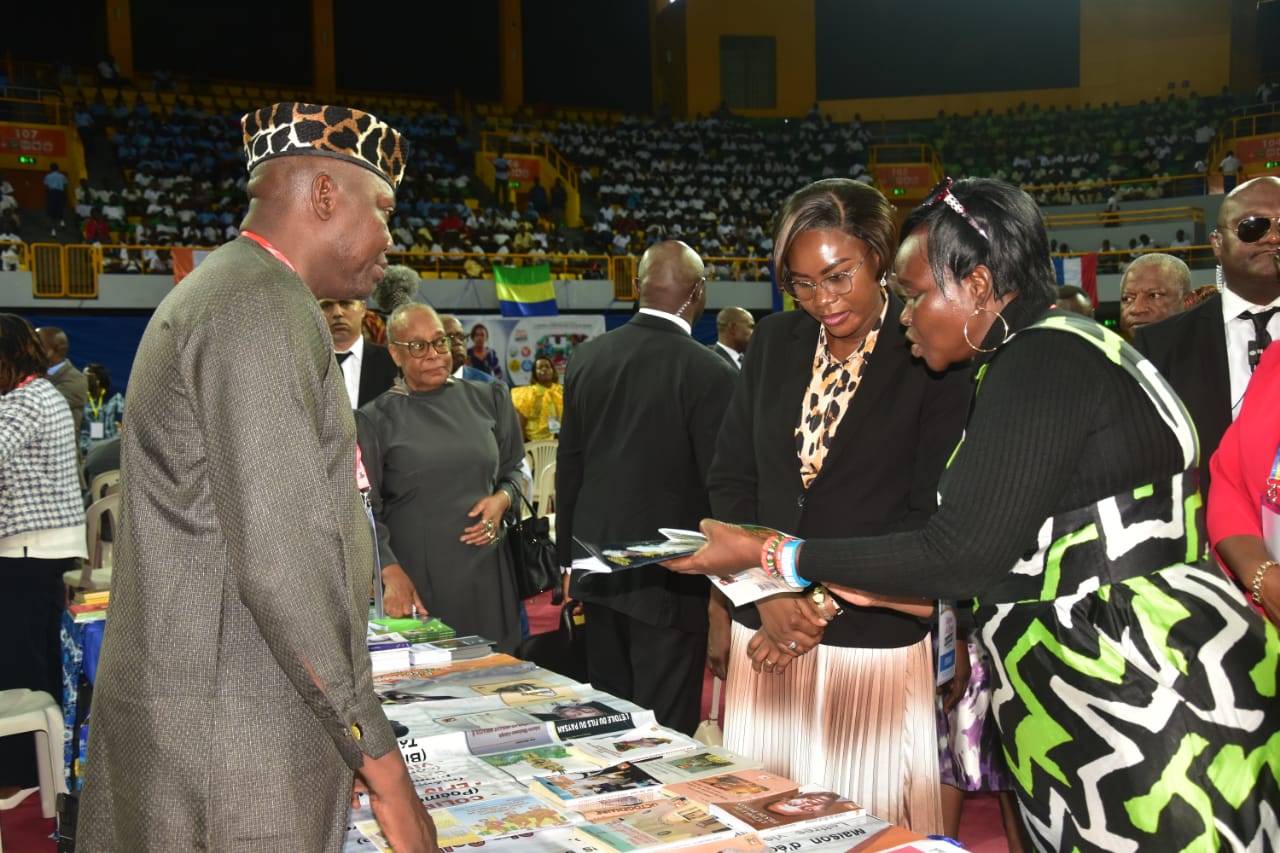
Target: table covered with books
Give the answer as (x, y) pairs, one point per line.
(508, 756)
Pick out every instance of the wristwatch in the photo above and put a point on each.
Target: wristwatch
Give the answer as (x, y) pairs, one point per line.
(820, 596)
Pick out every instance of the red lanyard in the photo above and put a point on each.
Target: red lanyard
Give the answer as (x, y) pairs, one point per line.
(266, 244)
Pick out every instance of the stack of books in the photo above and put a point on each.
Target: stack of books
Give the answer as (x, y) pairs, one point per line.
(389, 653)
(89, 606)
(446, 651)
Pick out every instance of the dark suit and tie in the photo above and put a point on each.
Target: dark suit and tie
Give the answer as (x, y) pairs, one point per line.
(377, 372)
(733, 357)
(1190, 350)
(643, 406)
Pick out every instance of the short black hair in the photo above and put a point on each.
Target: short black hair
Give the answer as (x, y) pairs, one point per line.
(100, 371)
(1017, 253)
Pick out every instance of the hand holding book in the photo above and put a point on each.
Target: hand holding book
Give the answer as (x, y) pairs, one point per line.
(730, 549)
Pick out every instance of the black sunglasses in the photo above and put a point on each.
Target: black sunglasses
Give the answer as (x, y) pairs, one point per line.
(1251, 229)
(942, 193)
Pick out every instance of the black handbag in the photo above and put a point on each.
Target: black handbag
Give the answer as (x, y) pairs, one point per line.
(563, 650)
(533, 555)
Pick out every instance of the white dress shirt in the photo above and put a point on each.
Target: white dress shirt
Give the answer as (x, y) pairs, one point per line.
(351, 370)
(679, 321)
(733, 353)
(1240, 332)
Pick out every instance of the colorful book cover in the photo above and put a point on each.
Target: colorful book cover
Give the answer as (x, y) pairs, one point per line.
(668, 822)
(474, 822)
(525, 765)
(528, 691)
(737, 787)
(698, 764)
(576, 790)
(638, 744)
(809, 805)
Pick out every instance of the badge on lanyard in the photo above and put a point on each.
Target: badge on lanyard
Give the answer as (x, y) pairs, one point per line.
(946, 642)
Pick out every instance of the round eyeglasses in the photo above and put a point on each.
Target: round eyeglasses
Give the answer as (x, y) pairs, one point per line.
(836, 284)
(418, 349)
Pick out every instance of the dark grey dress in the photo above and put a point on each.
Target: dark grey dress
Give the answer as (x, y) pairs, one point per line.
(430, 456)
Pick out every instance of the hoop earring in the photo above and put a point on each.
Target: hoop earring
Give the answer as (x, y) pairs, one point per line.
(998, 316)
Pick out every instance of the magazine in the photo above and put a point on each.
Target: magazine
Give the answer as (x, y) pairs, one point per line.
(698, 764)
(473, 822)
(619, 556)
(638, 744)
(524, 765)
(666, 822)
(579, 790)
(810, 805)
(738, 787)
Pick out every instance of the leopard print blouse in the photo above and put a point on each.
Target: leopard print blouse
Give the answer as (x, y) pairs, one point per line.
(831, 389)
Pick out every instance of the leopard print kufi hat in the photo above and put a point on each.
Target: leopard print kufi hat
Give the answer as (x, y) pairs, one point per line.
(343, 132)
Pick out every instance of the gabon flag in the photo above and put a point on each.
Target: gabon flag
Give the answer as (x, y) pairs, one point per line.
(526, 291)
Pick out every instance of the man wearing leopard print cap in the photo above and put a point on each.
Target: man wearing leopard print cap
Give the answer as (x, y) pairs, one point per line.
(234, 698)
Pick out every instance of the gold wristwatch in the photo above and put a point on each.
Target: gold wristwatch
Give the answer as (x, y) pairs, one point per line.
(820, 596)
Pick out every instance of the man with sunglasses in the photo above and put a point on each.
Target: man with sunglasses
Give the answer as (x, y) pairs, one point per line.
(1208, 352)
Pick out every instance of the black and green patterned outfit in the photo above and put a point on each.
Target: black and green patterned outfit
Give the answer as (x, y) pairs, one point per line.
(1135, 691)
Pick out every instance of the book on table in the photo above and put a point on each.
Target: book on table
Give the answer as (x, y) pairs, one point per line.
(524, 765)
(698, 763)
(472, 823)
(808, 805)
(638, 744)
(669, 823)
(578, 790)
(736, 787)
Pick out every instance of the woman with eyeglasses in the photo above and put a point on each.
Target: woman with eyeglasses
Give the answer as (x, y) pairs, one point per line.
(835, 430)
(1135, 692)
(443, 457)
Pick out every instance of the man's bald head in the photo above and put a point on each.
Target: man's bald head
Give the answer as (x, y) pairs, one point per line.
(55, 343)
(671, 278)
(1250, 269)
(734, 326)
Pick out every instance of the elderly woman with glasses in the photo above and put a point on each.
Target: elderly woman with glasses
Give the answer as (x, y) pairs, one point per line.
(835, 430)
(1134, 690)
(443, 457)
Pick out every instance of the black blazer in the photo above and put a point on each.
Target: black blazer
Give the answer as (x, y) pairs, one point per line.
(1190, 350)
(642, 407)
(723, 353)
(377, 372)
(881, 472)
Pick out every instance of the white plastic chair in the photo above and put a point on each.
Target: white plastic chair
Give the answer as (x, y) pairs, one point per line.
(23, 711)
(95, 574)
(104, 484)
(544, 489)
(540, 453)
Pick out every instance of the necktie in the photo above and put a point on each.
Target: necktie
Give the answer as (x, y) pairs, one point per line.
(341, 357)
(1260, 336)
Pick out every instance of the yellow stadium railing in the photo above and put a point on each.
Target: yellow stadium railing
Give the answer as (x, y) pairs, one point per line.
(1126, 217)
(1192, 184)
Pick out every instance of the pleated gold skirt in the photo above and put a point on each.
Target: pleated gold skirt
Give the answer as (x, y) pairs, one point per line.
(857, 721)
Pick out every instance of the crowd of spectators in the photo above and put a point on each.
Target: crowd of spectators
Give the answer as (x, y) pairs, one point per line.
(713, 181)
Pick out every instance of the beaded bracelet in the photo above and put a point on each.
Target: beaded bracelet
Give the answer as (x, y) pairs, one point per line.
(769, 555)
(1257, 579)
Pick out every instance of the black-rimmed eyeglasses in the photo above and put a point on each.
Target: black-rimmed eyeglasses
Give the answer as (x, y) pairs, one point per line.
(418, 349)
(1251, 229)
(942, 193)
(836, 284)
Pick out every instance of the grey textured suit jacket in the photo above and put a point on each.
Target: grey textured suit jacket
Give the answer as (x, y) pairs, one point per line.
(234, 695)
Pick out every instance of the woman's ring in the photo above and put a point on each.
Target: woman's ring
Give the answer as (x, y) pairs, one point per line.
(768, 663)
(792, 645)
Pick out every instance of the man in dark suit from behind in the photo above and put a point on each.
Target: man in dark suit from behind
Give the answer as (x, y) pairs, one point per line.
(367, 368)
(733, 332)
(642, 407)
(1208, 352)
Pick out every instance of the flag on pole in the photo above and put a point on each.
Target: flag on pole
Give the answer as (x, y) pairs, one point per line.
(526, 291)
(186, 260)
(1080, 270)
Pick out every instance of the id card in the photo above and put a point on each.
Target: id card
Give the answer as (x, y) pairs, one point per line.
(97, 430)
(946, 642)
(553, 425)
